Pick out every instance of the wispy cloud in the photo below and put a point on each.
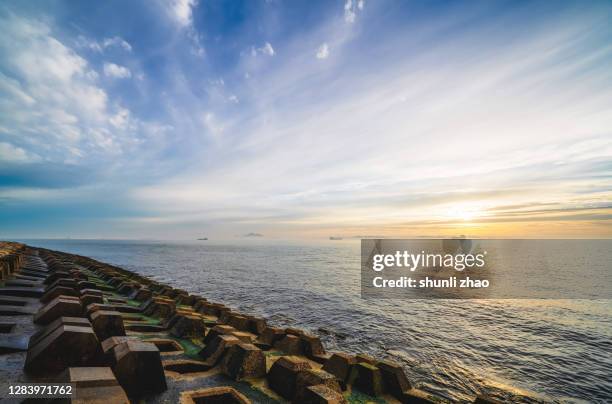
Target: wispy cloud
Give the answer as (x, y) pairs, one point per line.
(323, 51)
(181, 11)
(416, 127)
(266, 49)
(116, 71)
(352, 8)
(117, 41)
(100, 46)
(367, 119)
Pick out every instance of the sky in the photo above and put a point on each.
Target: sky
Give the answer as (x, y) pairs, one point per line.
(180, 119)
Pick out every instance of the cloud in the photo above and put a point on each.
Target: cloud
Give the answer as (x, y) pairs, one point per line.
(323, 51)
(197, 49)
(14, 154)
(116, 71)
(14, 88)
(181, 11)
(341, 148)
(219, 94)
(351, 9)
(121, 119)
(52, 94)
(266, 49)
(413, 117)
(54, 111)
(116, 41)
(212, 124)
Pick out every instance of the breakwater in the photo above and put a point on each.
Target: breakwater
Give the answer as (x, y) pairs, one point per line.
(83, 321)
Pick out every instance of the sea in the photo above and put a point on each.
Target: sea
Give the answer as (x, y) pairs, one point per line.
(518, 350)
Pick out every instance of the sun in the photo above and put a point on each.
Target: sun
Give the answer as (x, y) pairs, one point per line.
(464, 212)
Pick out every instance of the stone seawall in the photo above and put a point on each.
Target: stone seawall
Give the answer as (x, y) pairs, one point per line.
(120, 337)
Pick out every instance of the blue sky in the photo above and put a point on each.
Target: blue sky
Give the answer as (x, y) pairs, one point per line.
(177, 119)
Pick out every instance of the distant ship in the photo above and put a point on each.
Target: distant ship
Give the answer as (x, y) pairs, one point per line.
(203, 238)
(335, 238)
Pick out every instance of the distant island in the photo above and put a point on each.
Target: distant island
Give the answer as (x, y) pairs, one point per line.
(335, 238)
(203, 238)
(253, 235)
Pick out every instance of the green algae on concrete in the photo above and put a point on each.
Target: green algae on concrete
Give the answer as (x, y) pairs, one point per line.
(133, 302)
(141, 318)
(357, 397)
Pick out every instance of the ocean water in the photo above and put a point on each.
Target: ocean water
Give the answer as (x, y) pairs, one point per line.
(550, 350)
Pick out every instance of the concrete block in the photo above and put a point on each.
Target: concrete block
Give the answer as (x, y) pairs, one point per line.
(199, 301)
(188, 326)
(321, 394)
(290, 344)
(394, 379)
(54, 276)
(88, 299)
(215, 349)
(22, 291)
(366, 378)
(82, 285)
(270, 335)
(110, 343)
(366, 359)
(257, 325)
(64, 282)
(107, 324)
(340, 366)
(415, 396)
(218, 330)
(244, 361)
(66, 346)
(92, 291)
(138, 368)
(238, 321)
(186, 300)
(58, 307)
(311, 345)
(78, 321)
(142, 295)
(161, 307)
(214, 395)
(94, 385)
(314, 377)
(283, 374)
(244, 336)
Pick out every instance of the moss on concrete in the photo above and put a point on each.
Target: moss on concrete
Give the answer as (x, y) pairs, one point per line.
(357, 397)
